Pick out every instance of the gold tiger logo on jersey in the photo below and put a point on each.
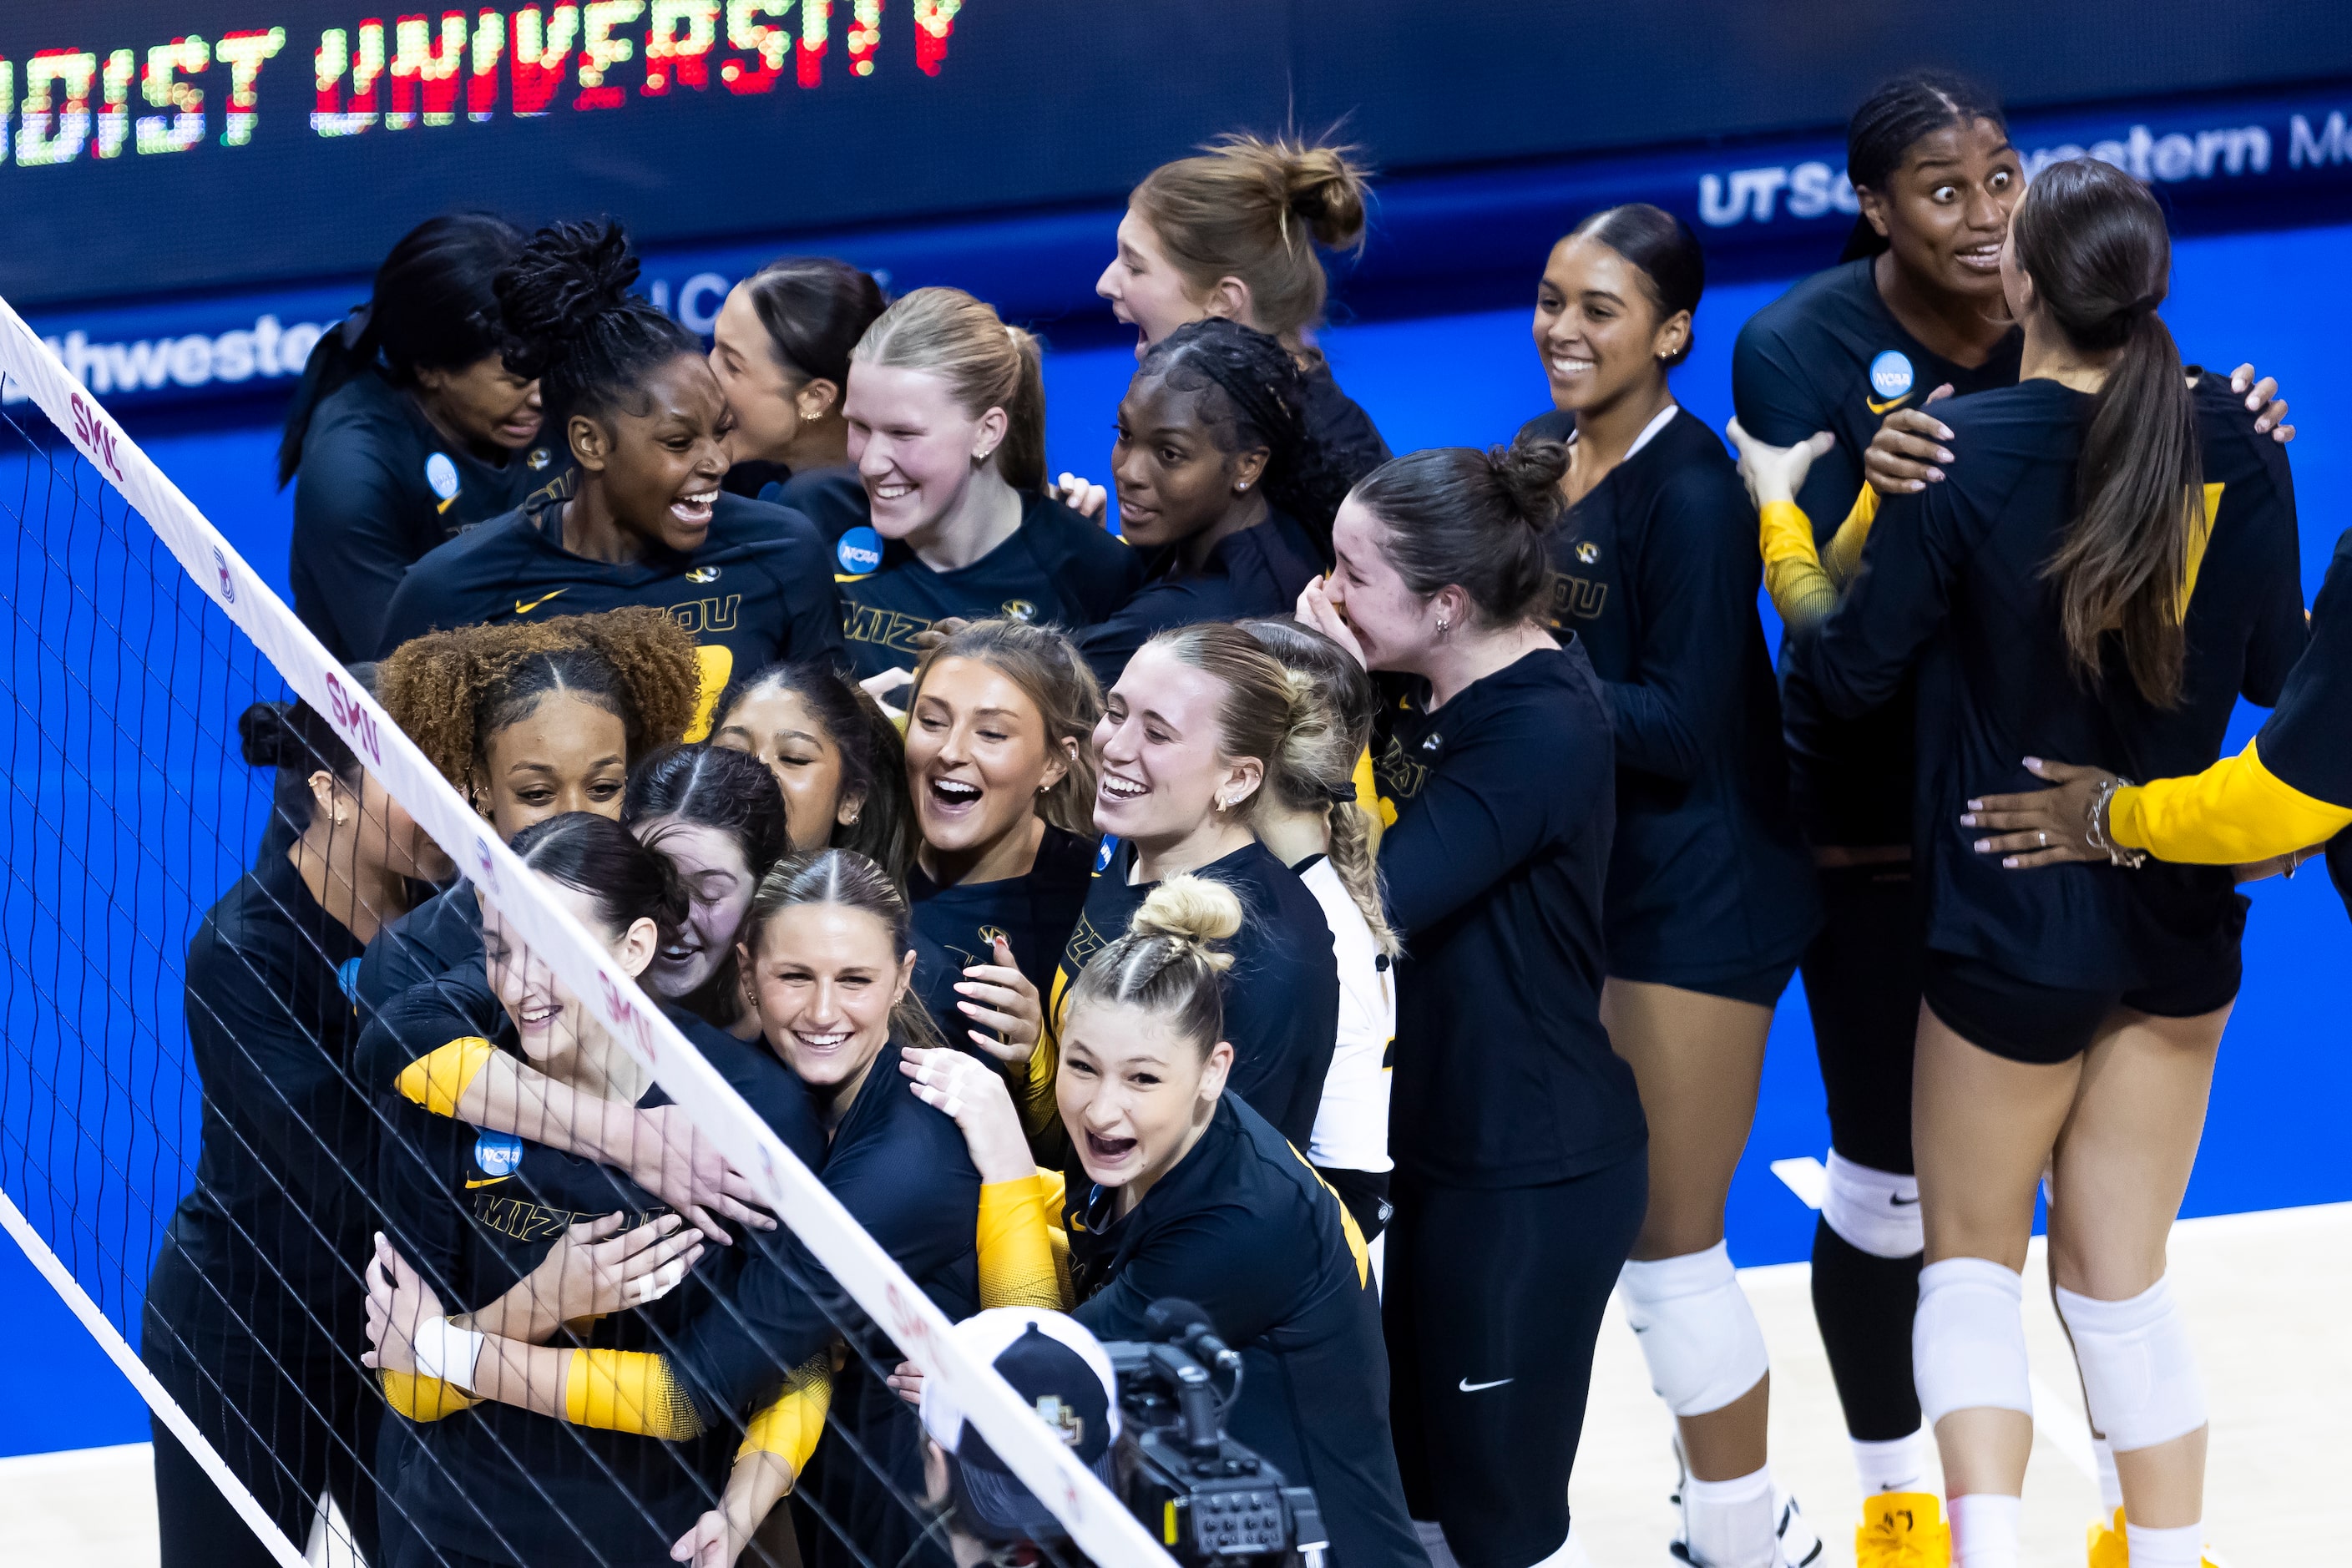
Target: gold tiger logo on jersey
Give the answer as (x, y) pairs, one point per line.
(1020, 610)
(703, 574)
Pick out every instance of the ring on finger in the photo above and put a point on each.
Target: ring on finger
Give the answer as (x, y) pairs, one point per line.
(2044, 837)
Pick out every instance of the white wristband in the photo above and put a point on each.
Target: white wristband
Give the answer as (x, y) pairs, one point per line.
(447, 1351)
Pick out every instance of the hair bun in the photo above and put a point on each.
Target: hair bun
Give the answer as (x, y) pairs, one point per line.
(1326, 191)
(266, 735)
(567, 276)
(1196, 910)
(1528, 473)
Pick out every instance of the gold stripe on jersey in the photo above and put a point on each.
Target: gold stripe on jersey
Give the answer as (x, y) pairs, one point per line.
(2234, 812)
(2200, 533)
(1357, 1246)
(438, 1080)
(716, 663)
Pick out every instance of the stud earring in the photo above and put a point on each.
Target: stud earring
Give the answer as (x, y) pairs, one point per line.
(1443, 626)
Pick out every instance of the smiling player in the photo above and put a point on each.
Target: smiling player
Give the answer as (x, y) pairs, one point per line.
(641, 520)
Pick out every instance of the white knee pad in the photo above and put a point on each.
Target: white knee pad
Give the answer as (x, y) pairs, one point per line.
(1875, 1211)
(1968, 1340)
(1698, 1334)
(2139, 1370)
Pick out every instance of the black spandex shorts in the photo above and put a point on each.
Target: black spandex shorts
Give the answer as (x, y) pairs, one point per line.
(1761, 987)
(2021, 1021)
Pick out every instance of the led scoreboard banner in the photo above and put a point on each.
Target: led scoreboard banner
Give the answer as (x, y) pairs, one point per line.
(192, 190)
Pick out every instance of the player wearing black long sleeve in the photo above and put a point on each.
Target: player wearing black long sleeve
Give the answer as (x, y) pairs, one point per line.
(641, 520)
(1710, 896)
(250, 1315)
(1177, 1187)
(2061, 575)
(1969, 556)
(1222, 483)
(407, 428)
(1520, 1147)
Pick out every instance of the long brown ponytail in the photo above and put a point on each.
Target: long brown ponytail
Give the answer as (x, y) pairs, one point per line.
(2093, 240)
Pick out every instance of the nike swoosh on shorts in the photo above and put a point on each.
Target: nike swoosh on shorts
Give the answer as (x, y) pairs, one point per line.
(1469, 1387)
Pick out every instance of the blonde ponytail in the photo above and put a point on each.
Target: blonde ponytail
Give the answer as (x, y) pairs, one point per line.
(986, 363)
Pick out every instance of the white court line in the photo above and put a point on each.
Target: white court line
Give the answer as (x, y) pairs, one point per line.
(1805, 1177)
(167, 1409)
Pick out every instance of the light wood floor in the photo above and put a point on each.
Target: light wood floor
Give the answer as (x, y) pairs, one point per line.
(2265, 1297)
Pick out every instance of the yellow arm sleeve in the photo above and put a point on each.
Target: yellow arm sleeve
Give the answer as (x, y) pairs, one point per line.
(2234, 812)
(627, 1391)
(1802, 592)
(437, 1080)
(423, 1398)
(1018, 1264)
(1843, 556)
(789, 1424)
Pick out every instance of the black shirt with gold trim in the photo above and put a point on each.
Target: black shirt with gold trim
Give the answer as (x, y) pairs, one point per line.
(1505, 802)
(1057, 569)
(1954, 580)
(759, 589)
(1655, 571)
(1281, 996)
(1034, 913)
(1243, 1228)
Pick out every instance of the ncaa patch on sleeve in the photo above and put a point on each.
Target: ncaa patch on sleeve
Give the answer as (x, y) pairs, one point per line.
(441, 475)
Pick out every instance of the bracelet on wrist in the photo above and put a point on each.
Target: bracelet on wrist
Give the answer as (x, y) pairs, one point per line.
(2094, 826)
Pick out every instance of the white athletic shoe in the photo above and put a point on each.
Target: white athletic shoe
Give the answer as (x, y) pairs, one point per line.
(1800, 1545)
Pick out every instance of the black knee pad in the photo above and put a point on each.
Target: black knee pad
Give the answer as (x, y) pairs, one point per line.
(1864, 1305)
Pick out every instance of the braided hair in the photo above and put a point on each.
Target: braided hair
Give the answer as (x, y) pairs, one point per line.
(573, 326)
(1893, 120)
(1253, 396)
(1169, 962)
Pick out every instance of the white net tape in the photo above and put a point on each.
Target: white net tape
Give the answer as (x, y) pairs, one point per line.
(1097, 1521)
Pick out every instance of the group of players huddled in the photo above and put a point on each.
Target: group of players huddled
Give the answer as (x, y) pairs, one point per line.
(1351, 849)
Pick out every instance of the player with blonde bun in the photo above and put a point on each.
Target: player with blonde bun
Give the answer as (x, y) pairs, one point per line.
(1183, 1190)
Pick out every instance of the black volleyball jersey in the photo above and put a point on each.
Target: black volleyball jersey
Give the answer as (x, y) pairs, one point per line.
(1260, 570)
(1655, 572)
(1281, 996)
(475, 1211)
(2307, 743)
(756, 590)
(1034, 913)
(277, 1218)
(1057, 569)
(1830, 355)
(1963, 566)
(1244, 1229)
(1494, 869)
(378, 489)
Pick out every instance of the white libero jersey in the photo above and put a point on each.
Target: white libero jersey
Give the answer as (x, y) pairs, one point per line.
(1352, 1126)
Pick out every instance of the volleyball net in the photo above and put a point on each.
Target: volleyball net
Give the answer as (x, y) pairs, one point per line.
(137, 636)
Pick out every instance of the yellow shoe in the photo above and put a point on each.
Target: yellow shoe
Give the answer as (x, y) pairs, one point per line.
(2110, 1549)
(1903, 1529)
(2106, 1548)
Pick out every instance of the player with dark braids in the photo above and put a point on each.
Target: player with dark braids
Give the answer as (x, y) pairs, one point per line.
(640, 519)
(1222, 480)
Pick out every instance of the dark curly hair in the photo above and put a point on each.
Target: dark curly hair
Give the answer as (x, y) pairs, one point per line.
(573, 325)
(452, 690)
(1253, 394)
(873, 755)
